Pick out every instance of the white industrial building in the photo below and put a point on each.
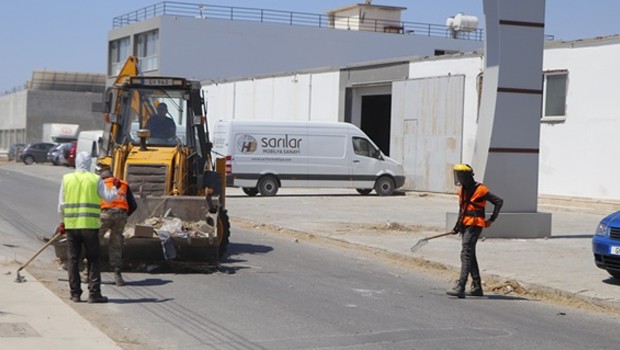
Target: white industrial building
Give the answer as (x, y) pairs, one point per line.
(434, 109)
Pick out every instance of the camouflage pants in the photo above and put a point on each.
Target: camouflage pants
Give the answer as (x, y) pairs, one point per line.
(114, 220)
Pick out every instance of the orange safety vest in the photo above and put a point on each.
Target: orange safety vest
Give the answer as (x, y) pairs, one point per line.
(121, 201)
(473, 211)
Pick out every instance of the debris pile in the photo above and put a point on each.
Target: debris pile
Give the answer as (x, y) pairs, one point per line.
(174, 227)
(509, 286)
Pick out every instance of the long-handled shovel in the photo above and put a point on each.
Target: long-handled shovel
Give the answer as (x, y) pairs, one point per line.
(421, 243)
(20, 278)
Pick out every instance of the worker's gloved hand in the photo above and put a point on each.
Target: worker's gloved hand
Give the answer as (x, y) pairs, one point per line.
(117, 183)
(456, 229)
(488, 223)
(61, 228)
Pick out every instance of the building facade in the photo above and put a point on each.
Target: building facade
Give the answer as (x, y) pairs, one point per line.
(205, 42)
(431, 106)
(50, 97)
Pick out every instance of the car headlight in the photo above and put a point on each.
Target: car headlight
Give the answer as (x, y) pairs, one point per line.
(601, 230)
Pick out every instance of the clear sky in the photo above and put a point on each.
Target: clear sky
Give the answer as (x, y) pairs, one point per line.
(71, 35)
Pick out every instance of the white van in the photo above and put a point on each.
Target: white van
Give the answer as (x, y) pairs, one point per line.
(262, 156)
(90, 141)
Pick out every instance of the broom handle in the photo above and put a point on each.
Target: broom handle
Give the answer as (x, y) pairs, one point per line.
(52, 240)
(439, 235)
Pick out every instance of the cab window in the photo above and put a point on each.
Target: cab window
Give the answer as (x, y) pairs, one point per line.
(363, 147)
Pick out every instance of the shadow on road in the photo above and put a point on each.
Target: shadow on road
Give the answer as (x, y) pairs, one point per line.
(500, 297)
(147, 282)
(140, 300)
(571, 236)
(246, 248)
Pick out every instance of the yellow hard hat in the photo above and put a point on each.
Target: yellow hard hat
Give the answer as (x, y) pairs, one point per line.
(463, 167)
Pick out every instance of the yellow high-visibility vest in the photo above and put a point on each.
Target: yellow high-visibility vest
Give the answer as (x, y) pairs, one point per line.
(82, 202)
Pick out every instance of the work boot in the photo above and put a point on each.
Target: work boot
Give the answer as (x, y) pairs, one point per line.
(476, 290)
(458, 291)
(75, 298)
(97, 299)
(118, 278)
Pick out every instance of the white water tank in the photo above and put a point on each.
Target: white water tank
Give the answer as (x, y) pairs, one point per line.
(462, 23)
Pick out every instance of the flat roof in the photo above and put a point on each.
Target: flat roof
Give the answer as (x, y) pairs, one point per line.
(381, 7)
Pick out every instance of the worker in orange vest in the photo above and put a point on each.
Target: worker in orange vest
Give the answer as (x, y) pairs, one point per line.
(473, 197)
(113, 217)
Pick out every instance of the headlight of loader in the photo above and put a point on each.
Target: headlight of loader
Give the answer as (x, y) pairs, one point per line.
(601, 230)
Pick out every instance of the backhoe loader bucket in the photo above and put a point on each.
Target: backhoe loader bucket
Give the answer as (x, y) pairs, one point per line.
(203, 236)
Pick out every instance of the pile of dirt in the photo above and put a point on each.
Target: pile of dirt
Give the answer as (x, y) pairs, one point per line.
(508, 287)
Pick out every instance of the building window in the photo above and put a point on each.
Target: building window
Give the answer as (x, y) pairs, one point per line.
(119, 51)
(146, 50)
(555, 88)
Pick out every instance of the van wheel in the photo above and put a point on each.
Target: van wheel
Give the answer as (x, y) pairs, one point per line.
(384, 186)
(268, 185)
(28, 160)
(250, 191)
(363, 191)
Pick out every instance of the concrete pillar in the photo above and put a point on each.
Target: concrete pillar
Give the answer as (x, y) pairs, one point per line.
(507, 143)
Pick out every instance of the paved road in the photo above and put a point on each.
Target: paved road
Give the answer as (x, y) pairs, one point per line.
(309, 287)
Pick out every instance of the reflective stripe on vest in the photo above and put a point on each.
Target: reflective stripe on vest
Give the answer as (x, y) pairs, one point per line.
(474, 211)
(121, 202)
(82, 205)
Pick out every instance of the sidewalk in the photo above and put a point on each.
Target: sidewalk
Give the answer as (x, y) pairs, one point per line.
(32, 317)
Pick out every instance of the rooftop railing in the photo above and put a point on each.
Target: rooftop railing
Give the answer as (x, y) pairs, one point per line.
(172, 8)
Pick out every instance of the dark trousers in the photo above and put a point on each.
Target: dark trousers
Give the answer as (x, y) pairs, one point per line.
(90, 240)
(469, 263)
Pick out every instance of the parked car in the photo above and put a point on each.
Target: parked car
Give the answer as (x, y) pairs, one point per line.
(15, 150)
(70, 155)
(606, 244)
(36, 152)
(56, 155)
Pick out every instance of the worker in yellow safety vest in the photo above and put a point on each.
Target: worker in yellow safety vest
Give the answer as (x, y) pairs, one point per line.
(79, 206)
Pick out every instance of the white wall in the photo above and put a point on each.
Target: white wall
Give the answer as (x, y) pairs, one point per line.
(579, 156)
(302, 97)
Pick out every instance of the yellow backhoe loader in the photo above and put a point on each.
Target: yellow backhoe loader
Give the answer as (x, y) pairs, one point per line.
(156, 138)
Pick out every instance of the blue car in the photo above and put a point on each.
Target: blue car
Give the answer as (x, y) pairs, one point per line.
(606, 244)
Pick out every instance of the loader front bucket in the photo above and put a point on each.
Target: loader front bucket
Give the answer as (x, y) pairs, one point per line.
(146, 242)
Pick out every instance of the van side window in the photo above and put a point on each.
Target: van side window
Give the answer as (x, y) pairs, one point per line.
(363, 147)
